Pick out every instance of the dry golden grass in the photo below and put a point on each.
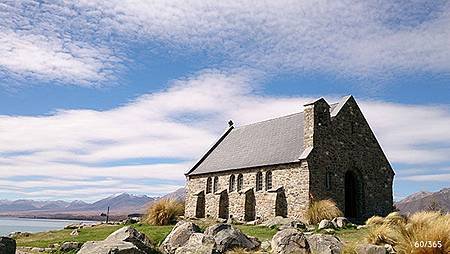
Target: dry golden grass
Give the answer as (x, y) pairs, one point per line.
(349, 249)
(164, 212)
(323, 209)
(421, 233)
(375, 220)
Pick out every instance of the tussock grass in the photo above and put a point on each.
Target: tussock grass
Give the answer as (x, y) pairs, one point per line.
(164, 212)
(323, 209)
(375, 220)
(422, 233)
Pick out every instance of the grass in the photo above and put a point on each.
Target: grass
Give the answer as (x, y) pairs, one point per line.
(323, 209)
(156, 233)
(44, 239)
(164, 212)
(262, 233)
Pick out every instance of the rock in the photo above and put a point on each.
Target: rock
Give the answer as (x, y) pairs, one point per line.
(75, 232)
(198, 244)
(7, 245)
(390, 249)
(277, 221)
(340, 222)
(324, 244)
(36, 249)
(310, 228)
(298, 224)
(126, 240)
(226, 237)
(361, 227)
(178, 237)
(70, 246)
(265, 246)
(220, 220)
(73, 226)
(329, 231)
(15, 235)
(370, 249)
(325, 224)
(289, 241)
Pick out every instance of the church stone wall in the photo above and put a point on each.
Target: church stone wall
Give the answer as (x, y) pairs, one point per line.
(293, 178)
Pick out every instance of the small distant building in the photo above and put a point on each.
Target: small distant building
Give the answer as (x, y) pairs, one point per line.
(277, 167)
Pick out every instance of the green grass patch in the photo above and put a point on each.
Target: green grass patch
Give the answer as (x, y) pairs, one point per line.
(156, 233)
(352, 235)
(262, 233)
(44, 239)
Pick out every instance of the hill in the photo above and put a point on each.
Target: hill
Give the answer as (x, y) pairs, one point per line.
(421, 201)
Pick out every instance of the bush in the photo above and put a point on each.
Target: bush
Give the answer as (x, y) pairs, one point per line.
(420, 233)
(375, 220)
(164, 212)
(320, 210)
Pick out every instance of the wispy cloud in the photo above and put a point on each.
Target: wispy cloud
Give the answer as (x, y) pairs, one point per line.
(177, 125)
(357, 39)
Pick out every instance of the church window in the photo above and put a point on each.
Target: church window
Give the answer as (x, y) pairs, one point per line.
(240, 182)
(209, 185)
(328, 180)
(268, 180)
(259, 181)
(216, 184)
(232, 183)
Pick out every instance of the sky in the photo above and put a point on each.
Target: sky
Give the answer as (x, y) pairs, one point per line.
(103, 97)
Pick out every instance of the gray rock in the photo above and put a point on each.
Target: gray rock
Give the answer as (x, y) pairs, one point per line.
(75, 232)
(289, 241)
(36, 249)
(389, 249)
(198, 244)
(325, 224)
(7, 245)
(329, 231)
(370, 249)
(126, 240)
(361, 227)
(324, 244)
(298, 224)
(265, 246)
(340, 222)
(226, 237)
(178, 237)
(70, 246)
(277, 221)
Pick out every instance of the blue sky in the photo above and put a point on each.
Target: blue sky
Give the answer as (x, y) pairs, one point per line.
(100, 97)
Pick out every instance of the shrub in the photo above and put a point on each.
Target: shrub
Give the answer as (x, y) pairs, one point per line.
(375, 220)
(164, 212)
(420, 233)
(320, 210)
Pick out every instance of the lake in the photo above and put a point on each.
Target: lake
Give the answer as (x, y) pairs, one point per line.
(9, 224)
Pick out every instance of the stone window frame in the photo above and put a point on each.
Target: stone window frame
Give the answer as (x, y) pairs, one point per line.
(240, 182)
(209, 185)
(232, 183)
(328, 176)
(269, 180)
(259, 181)
(216, 184)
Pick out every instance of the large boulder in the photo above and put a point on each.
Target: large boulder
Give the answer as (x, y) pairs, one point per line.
(178, 237)
(7, 245)
(226, 237)
(70, 246)
(324, 244)
(126, 240)
(370, 249)
(198, 244)
(277, 221)
(340, 222)
(289, 241)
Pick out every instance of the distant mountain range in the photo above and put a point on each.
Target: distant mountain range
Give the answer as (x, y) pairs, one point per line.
(120, 205)
(424, 200)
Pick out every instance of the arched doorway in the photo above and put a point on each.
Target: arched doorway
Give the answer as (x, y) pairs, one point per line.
(281, 204)
(250, 206)
(223, 205)
(351, 195)
(200, 206)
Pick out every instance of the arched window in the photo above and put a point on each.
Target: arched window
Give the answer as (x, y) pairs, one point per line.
(240, 182)
(232, 183)
(216, 184)
(208, 185)
(268, 180)
(259, 181)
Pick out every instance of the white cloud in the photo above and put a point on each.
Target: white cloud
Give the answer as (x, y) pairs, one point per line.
(178, 124)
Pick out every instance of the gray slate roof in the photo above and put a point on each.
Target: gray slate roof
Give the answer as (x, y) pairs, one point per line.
(270, 142)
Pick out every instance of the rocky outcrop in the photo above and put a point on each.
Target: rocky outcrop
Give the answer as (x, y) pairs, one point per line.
(289, 241)
(340, 222)
(324, 244)
(70, 246)
(178, 237)
(198, 244)
(7, 245)
(126, 240)
(370, 249)
(226, 237)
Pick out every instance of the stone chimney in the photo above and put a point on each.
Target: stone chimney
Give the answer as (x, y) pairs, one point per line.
(316, 119)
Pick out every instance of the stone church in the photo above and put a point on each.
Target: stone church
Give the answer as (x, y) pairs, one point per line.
(277, 167)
